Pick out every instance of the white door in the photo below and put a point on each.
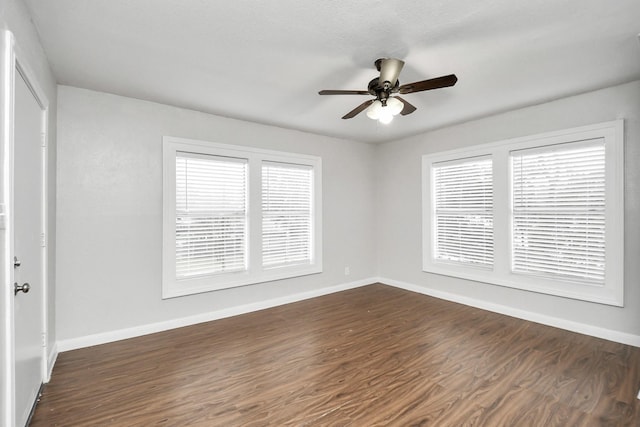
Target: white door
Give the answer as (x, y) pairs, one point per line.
(28, 234)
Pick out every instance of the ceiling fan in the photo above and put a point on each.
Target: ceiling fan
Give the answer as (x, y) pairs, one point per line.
(385, 106)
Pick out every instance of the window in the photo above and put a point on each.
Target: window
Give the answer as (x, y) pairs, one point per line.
(237, 215)
(463, 212)
(287, 212)
(559, 211)
(210, 215)
(542, 213)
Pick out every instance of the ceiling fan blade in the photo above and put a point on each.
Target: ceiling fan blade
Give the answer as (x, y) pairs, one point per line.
(390, 70)
(407, 109)
(360, 108)
(438, 82)
(343, 92)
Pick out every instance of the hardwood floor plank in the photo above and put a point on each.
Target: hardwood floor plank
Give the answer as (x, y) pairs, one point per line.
(372, 356)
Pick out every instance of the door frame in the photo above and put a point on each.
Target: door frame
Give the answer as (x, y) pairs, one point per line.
(12, 66)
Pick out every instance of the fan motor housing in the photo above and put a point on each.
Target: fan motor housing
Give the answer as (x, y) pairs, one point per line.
(379, 91)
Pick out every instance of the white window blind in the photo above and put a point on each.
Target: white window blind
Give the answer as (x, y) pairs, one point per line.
(287, 195)
(211, 214)
(559, 211)
(463, 221)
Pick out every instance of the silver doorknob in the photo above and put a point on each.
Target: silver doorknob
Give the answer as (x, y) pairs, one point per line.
(18, 288)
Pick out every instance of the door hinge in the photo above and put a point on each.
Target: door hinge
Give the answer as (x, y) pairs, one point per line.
(43, 139)
(43, 240)
(44, 339)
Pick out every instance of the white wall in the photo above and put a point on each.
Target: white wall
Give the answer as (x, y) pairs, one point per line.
(110, 211)
(399, 228)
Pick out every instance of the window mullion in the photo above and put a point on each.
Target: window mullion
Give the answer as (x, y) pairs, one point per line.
(501, 212)
(255, 216)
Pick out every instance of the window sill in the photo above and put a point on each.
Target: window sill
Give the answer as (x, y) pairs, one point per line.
(561, 288)
(193, 286)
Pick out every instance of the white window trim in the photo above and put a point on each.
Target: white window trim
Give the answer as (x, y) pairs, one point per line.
(612, 292)
(171, 287)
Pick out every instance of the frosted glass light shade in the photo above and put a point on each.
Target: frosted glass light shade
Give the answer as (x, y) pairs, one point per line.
(373, 112)
(386, 115)
(394, 105)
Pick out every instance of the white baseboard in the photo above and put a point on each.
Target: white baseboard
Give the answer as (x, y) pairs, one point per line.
(121, 334)
(594, 331)
(51, 360)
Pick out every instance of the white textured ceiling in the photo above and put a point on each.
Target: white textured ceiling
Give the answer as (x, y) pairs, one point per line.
(265, 61)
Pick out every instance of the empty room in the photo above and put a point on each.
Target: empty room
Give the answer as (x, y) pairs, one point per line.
(306, 213)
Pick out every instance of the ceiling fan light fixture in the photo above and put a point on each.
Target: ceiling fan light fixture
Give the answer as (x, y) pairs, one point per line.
(385, 119)
(374, 111)
(394, 105)
(386, 115)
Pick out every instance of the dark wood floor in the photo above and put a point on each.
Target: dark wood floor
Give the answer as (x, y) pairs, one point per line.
(373, 356)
